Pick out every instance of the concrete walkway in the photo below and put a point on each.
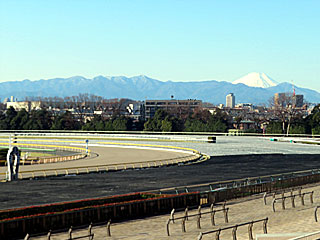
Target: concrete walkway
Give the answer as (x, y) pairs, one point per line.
(291, 220)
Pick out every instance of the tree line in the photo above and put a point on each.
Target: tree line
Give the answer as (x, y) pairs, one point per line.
(296, 124)
(199, 121)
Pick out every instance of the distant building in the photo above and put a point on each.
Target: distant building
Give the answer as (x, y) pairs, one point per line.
(245, 105)
(297, 101)
(173, 106)
(136, 110)
(230, 100)
(280, 99)
(27, 105)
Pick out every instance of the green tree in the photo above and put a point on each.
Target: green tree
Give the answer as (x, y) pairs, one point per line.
(65, 121)
(314, 120)
(20, 120)
(274, 127)
(120, 124)
(155, 123)
(166, 125)
(10, 114)
(39, 120)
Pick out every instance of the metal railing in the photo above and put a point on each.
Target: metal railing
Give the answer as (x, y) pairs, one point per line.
(292, 197)
(70, 236)
(198, 216)
(237, 183)
(234, 229)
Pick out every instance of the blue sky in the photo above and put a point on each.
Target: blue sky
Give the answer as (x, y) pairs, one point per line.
(165, 40)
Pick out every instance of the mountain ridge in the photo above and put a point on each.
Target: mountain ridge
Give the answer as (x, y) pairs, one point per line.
(142, 87)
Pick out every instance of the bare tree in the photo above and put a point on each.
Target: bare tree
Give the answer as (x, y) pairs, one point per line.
(283, 107)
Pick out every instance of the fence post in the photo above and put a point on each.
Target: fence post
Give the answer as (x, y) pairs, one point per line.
(302, 199)
(212, 215)
(315, 213)
(27, 237)
(265, 222)
(234, 232)
(172, 215)
(292, 201)
(299, 191)
(283, 203)
(49, 235)
(186, 214)
(250, 231)
(265, 198)
(168, 229)
(311, 197)
(89, 230)
(199, 211)
(108, 228)
(70, 233)
(198, 222)
(218, 234)
(183, 225)
(199, 236)
(226, 215)
(273, 202)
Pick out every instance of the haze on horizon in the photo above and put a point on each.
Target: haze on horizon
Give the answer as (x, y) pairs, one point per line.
(166, 40)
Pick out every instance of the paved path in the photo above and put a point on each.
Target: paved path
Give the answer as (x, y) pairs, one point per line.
(291, 220)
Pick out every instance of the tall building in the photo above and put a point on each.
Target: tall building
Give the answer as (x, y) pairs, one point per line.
(280, 99)
(230, 100)
(297, 101)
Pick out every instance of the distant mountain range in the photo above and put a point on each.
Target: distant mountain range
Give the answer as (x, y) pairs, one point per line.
(142, 87)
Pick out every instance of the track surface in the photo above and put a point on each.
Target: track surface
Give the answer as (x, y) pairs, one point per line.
(108, 155)
(32, 192)
(233, 158)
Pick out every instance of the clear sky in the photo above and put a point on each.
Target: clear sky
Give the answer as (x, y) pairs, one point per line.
(166, 40)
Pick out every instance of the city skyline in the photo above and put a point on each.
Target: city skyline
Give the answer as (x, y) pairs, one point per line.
(168, 40)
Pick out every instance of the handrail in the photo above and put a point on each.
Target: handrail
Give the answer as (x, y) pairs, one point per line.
(306, 236)
(45, 145)
(245, 181)
(234, 227)
(90, 235)
(152, 133)
(198, 215)
(149, 145)
(292, 197)
(274, 193)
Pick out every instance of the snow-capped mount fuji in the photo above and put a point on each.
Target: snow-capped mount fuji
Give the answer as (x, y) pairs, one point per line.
(256, 79)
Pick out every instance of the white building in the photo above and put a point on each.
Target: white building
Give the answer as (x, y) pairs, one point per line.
(230, 100)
